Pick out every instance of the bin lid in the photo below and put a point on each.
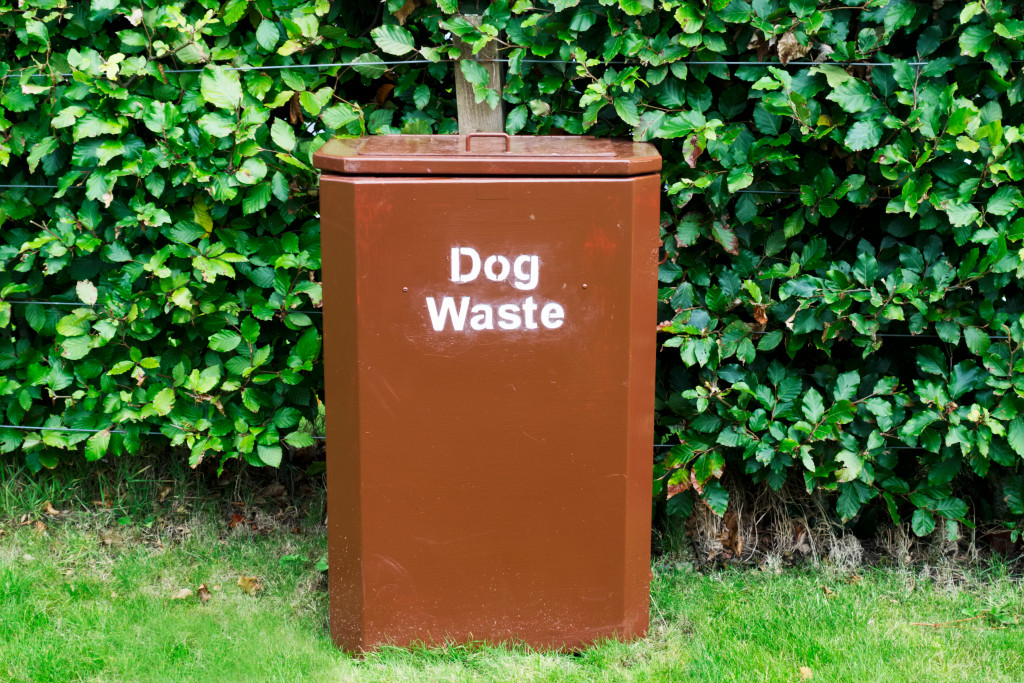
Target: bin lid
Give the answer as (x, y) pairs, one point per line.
(487, 154)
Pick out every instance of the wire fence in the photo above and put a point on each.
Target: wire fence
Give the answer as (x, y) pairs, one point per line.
(315, 437)
(327, 65)
(401, 62)
(374, 63)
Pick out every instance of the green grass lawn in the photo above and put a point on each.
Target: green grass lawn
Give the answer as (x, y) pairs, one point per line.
(90, 596)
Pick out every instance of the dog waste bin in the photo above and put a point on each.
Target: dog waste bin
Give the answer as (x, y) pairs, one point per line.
(489, 335)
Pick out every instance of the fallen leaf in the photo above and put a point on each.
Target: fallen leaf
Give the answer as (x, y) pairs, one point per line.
(163, 492)
(204, 594)
(103, 503)
(182, 594)
(790, 48)
(806, 673)
(48, 509)
(295, 110)
(250, 584)
(236, 519)
(275, 490)
(383, 92)
(827, 591)
(759, 314)
(757, 42)
(216, 587)
(113, 595)
(39, 526)
(405, 10)
(730, 537)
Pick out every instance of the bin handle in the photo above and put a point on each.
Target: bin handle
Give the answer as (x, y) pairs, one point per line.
(507, 138)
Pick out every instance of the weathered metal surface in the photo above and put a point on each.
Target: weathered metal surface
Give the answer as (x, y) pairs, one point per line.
(489, 351)
(447, 155)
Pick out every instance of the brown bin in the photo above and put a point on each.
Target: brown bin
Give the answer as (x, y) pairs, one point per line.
(489, 345)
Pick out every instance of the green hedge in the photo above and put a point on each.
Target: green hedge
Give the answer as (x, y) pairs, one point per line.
(841, 298)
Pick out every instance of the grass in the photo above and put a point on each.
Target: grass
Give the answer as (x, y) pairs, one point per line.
(89, 595)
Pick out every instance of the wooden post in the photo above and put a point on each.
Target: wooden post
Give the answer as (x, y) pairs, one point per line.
(477, 117)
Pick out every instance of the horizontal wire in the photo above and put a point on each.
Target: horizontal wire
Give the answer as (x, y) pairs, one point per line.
(703, 63)
(71, 429)
(784, 192)
(314, 312)
(28, 428)
(81, 305)
(328, 65)
(267, 67)
(317, 438)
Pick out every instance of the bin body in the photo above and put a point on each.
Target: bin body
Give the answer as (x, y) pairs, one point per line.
(489, 338)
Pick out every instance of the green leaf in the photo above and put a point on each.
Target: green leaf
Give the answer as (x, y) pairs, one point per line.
(725, 236)
(846, 385)
(923, 522)
(310, 103)
(627, 111)
(853, 96)
(163, 402)
(917, 423)
(267, 35)
(72, 326)
(848, 504)
(299, 440)
(708, 465)
(75, 348)
(962, 214)
(863, 135)
(1015, 435)
(121, 367)
(516, 120)
(976, 40)
(977, 340)
(339, 116)
(769, 341)
(475, 72)
(282, 135)
(865, 269)
(221, 88)
(813, 406)
(950, 508)
(256, 198)
(252, 171)
(97, 445)
(716, 497)
(279, 186)
(308, 347)
(87, 292)
(370, 65)
(217, 125)
(739, 178)
(270, 455)
(393, 39)
(225, 340)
